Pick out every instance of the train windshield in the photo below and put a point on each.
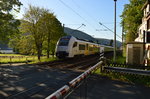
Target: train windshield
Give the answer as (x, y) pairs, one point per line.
(64, 41)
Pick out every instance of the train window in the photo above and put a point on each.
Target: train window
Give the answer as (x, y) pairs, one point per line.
(75, 44)
(63, 43)
(81, 47)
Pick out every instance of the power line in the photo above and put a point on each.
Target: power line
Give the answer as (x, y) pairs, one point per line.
(96, 20)
(109, 29)
(71, 24)
(84, 18)
(85, 11)
(75, 12)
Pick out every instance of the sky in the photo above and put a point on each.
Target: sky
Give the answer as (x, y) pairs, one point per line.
(74, 13)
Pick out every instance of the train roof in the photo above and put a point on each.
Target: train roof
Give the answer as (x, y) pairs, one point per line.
(106, 46)
(84, 41)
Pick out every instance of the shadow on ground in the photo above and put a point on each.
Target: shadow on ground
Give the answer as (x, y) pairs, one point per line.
(28, 81)
(98, 87)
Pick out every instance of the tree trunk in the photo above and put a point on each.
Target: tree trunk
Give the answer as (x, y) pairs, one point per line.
(39, 54)
(48, 53)
(48, 45)
(39, 50)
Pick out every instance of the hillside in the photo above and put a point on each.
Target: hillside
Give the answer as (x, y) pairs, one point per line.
(81, 35)
(103, 41)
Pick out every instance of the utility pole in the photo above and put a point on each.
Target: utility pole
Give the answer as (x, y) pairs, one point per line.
(64, 28)
(115, 31)
(122, 32)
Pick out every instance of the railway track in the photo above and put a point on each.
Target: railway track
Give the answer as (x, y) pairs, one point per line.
(80, 64)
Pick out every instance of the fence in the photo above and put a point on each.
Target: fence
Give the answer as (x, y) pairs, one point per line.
(127, 70)
(124, 65)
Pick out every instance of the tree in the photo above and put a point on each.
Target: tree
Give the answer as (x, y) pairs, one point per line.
(23, 42)
(53, 30)
(8, 25)
(132, 18)
(32, 25)
(43, 26)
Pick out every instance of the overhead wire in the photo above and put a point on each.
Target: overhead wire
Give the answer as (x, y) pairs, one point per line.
(84, 11)
(95, 19)
(109, 29)
(83, 17)
(76, 12)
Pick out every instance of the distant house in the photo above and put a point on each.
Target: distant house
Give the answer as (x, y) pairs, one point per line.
(5, 49)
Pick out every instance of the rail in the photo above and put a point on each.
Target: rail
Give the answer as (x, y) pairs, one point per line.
(60, 93)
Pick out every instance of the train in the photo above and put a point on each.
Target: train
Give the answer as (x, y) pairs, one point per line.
(69, 47)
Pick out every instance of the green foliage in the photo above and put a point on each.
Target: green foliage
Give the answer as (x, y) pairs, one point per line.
(39, 32)
(132, 18)
(8, 25)
(33, 27)
(120, 59)
(53, 31)
(24, 44)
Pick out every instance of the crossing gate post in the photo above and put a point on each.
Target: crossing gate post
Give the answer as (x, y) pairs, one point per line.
(103, 64)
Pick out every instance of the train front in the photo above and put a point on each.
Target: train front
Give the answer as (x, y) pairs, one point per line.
(62, 47)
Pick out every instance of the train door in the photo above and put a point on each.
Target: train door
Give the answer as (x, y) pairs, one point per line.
(75, 49)
(87, 50)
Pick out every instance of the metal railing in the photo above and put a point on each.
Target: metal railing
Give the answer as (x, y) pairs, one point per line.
(127, 70)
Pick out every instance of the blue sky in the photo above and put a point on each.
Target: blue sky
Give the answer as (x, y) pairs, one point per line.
(73, 13)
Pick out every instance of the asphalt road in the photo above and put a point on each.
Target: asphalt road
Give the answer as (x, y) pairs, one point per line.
(33, 82)
(28, 81)
(98, 87)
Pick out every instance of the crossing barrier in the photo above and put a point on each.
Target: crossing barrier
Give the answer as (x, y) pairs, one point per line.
(60, 93)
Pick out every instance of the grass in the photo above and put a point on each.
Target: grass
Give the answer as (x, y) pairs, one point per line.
(135, 79)
(44, 59)
(17, 58)
(11, 55)
(120, 59)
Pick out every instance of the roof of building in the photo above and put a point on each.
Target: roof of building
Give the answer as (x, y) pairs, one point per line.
(147, 2)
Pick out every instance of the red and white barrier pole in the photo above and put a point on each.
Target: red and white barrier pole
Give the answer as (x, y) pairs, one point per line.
(59, 93)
